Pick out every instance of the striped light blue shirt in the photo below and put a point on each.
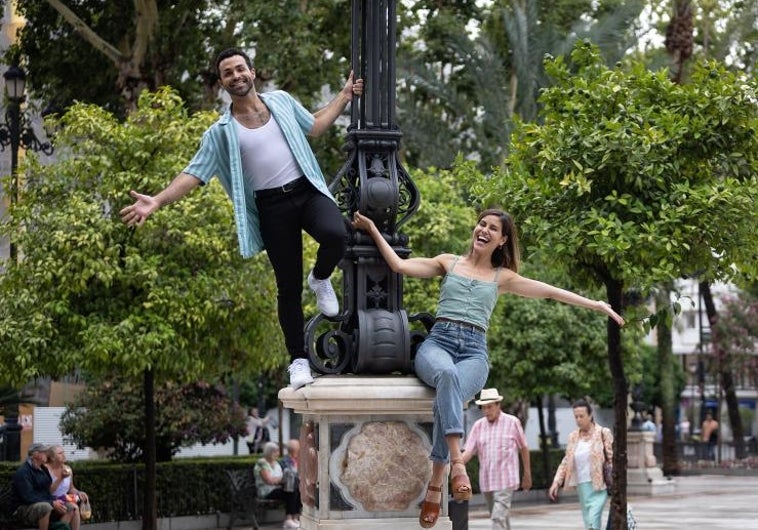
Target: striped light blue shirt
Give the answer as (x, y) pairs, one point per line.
(219, 155)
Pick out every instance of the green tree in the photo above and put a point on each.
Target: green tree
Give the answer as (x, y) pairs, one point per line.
(680, 38)
(171, 301)
(536, 347)
(174, 297)
(109, 414)
(632, 180)
(540, 347)
(301, 47)
(463, 87)
(431, 233)
(107, 52)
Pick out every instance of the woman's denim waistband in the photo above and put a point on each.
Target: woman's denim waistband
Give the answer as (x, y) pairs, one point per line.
(448, 322)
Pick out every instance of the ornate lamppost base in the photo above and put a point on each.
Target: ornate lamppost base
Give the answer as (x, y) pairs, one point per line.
(364, 460)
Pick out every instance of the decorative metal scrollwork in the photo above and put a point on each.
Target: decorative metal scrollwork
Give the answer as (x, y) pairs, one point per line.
(374, 334)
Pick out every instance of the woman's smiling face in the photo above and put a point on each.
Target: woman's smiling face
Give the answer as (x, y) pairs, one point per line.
(488, 233)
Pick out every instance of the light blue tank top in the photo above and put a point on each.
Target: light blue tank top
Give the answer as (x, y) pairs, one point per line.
(467, 299)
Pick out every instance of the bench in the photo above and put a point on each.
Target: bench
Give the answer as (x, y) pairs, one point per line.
(244, 500)
(7, 522)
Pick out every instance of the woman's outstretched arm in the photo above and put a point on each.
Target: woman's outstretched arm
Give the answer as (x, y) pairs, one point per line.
(517, 284)
(415, 267)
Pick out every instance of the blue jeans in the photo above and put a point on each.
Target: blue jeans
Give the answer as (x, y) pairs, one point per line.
(453, 360)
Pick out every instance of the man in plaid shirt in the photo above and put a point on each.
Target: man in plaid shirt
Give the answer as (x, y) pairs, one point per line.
(498, 438)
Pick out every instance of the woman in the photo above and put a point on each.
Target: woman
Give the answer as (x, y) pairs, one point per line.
(582, 466)
(453, 357)
(269, 479)
(63, 483)
(257, 431)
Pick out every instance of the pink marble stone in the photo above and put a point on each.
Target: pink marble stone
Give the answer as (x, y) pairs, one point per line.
(386, 466)
(308, 464)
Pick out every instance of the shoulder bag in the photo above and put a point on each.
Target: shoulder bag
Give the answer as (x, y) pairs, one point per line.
(607, 465)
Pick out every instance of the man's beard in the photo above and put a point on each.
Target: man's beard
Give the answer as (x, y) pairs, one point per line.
(240, 90)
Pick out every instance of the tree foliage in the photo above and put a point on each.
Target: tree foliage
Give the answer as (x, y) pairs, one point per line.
(105, 52)
(468, 72)
(125, 47)
(173, 296)
(536, 347)
(628, 164)
(632, 180)
(736, 336)
(109, 415)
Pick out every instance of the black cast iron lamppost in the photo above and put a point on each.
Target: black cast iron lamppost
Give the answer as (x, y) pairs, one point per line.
(374, 335)
(16, 130)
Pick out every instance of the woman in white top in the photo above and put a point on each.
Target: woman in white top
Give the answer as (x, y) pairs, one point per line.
(62, 486)
(269, 483)
(582, 466)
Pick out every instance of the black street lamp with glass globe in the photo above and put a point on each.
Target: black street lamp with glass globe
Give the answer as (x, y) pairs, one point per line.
(16, 130)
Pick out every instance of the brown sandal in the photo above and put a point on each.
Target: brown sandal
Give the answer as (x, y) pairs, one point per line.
(461, 485)
(430, 511)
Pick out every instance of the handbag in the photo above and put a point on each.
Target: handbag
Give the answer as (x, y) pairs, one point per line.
(631, 522)
(85, 510)
(607, 465)
(289, 480)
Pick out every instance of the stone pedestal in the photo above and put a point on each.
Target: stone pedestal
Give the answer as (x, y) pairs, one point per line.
(364, 458)
(643, 476)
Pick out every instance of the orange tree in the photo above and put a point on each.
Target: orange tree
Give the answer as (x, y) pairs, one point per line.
(172, 301)
(631, 180)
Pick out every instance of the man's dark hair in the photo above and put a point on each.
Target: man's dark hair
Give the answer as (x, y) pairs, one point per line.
(231, 52)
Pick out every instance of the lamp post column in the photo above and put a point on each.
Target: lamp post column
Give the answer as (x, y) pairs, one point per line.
(17, 132)
(12, 117)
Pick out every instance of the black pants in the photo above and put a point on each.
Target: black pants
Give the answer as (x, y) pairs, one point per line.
(283, 217)
(292, 504)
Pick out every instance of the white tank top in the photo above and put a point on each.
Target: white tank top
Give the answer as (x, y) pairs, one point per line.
(267, 160)
(582, 461)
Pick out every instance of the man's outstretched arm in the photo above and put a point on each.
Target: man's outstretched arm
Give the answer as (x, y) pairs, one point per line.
(145, 205)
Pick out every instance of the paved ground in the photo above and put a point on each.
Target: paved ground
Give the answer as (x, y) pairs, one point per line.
(712, 502)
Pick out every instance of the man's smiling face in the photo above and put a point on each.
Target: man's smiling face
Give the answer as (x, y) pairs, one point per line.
(236, 77)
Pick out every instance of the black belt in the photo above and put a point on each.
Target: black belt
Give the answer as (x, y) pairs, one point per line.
(461, 324)
(291, 186)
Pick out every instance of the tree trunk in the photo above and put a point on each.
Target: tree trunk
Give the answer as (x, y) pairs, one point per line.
(149, 511)
(670, 462)
(551, 423)
(544, 445)
(725, 375)
(620, 396)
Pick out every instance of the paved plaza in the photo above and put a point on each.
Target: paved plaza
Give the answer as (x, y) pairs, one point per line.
(712, 502)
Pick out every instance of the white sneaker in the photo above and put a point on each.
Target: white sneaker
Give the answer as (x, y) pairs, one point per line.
(326, 300)
(289, 523)
(300, 374)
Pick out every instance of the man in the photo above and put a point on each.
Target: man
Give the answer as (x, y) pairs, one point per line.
(709, 433)
(649, 423)
(31, 500)
(498, 439)
(259, 151)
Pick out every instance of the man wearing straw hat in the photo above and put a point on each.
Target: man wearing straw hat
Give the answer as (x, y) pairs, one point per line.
(498, 439)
